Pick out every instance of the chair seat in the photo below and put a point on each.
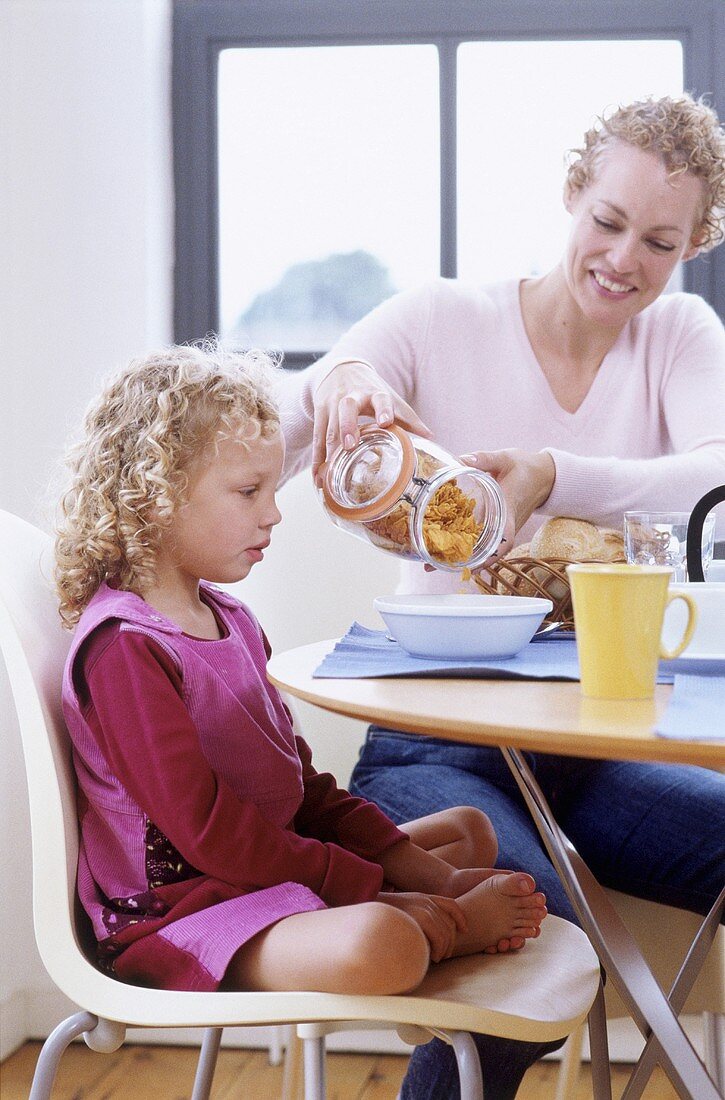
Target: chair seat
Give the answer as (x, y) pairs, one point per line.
(541, 992)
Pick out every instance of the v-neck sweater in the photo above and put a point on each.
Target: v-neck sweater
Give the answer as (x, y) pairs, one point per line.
(650, 432)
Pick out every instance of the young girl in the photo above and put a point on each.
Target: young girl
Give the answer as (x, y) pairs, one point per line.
(212, 852)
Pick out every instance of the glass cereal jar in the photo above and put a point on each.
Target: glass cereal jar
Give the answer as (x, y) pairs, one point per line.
(410, 497)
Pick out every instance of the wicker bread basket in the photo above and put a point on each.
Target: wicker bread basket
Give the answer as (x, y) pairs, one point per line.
(538, 568)
(545, 577)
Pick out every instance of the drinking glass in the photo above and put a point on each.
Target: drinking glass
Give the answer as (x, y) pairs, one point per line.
(660, 538)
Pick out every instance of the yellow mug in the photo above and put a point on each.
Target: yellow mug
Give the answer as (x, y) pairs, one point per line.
(618, 615)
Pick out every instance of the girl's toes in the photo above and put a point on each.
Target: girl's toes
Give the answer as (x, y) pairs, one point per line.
(518, 884)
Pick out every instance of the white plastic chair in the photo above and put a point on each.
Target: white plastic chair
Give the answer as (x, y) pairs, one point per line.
(539, 995)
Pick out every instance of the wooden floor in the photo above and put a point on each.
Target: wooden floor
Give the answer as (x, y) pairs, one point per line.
(167, 1073)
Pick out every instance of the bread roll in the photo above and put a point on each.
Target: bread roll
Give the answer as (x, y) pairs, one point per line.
(612, 545)
(565, 539)
(570, 539)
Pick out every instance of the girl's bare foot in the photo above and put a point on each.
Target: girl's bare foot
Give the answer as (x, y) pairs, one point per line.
(503, 912)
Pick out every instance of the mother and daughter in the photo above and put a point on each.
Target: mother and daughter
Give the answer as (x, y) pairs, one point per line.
(213, 854)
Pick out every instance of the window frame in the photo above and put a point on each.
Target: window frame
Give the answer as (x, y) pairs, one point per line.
(201, 29)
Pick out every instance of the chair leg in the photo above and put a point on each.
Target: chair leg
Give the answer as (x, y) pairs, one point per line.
(571, 1060)
(714, 1028)
(470, 1080)
(599, 1047)
(292, 1075)
(207, 1063)
(314, 1058)
(277, 1045)
(53, 1049)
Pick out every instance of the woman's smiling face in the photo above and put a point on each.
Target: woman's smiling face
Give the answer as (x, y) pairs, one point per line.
(631, 226)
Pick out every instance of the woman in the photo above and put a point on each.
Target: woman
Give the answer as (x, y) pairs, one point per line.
(594, 392)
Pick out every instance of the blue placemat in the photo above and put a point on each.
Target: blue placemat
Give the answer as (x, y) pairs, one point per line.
(696, 708)
(364, 652)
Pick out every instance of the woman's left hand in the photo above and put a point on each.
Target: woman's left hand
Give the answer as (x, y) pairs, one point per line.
(525, 478)
(353, 389)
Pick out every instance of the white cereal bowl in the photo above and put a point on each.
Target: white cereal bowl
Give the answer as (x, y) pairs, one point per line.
(462, 627)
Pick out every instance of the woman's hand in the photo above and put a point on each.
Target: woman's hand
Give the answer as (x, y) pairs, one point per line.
(525, 479)
(351, 390)
(439, 919)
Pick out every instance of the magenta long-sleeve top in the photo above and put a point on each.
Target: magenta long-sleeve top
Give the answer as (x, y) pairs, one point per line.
(202, 817)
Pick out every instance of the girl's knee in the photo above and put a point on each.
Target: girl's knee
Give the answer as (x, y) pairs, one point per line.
(478, 833)
(387, 952)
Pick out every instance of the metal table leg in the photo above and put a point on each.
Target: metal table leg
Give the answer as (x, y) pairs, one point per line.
(617, 949)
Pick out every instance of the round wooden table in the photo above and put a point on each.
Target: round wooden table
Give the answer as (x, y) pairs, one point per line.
(543, 716)
(540, 715)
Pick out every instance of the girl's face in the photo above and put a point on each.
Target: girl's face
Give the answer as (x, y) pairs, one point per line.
(225, 523)
(630, 228)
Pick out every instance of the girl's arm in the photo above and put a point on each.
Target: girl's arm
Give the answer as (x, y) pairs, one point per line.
(145, 733)
(409, 867)
(331, 813)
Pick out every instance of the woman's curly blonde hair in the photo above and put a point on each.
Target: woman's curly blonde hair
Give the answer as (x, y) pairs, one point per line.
(130, 470)
(684, 132)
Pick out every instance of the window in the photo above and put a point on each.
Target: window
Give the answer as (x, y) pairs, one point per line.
(305, 252)
(331, 152)
(552, 92)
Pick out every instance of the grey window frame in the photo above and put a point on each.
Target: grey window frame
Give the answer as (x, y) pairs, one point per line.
(202, 28)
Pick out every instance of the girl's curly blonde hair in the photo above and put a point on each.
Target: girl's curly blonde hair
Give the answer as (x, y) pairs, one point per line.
(684, 132)
(130, 470)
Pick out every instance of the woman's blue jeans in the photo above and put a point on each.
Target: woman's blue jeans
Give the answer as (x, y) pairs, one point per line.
(653, 830)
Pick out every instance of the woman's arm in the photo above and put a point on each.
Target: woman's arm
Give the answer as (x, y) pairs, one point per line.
(369, 372)
(526, 480)
(672, 390)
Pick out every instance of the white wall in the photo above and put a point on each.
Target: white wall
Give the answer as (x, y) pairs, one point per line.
(85, 283)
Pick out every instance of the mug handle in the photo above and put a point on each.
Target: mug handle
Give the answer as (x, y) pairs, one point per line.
(666, 654)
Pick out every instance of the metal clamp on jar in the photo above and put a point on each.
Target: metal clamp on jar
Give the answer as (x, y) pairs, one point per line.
(410, 497)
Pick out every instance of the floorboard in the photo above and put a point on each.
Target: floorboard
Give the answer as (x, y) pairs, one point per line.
(167, 1073)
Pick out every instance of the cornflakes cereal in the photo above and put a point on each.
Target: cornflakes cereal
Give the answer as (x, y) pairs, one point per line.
(450, 531)
(449, 528)
(394, 527)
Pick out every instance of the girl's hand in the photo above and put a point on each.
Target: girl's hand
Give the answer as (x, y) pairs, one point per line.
(351, 390)
(439, 919)
(525, 478)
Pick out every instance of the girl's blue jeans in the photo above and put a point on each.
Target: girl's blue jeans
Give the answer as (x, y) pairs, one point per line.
(653, 830)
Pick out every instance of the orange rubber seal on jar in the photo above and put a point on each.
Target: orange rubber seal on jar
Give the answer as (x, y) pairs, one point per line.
(391, 496)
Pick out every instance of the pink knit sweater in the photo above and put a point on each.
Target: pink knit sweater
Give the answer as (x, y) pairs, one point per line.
(649, 434)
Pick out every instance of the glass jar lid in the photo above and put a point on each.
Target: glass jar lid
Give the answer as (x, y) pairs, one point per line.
(365, 482)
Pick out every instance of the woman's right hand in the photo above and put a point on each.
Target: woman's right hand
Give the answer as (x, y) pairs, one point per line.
(351, 390)
(439, 919)
(525, 478)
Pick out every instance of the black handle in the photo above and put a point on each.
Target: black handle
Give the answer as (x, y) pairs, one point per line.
(694, 531)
